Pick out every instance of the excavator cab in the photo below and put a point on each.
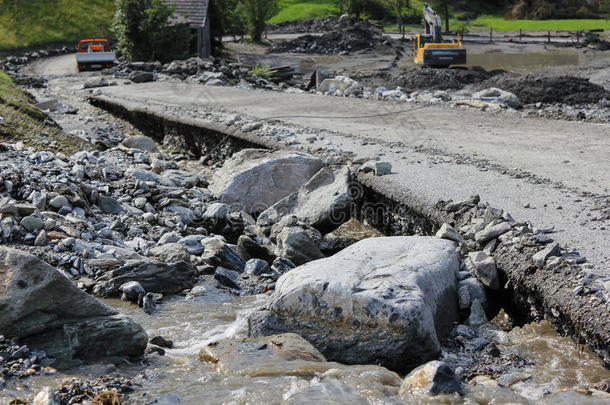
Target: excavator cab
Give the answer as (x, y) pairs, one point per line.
(430, 49)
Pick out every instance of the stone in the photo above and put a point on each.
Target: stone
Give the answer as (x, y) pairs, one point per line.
(484, 268)
(192, 244)
(477, 314)
(168, 237)
(161, 342)
(59, 201)
(276, 355)
(147, 175)
(132, 290)
(347, 234)
(492, 232)
(171, 253)
(247, 248)
(139, 76)
(339, 83)
(156, 277)
(186, 215)
(446, 231)
(383, 168)
(181, 178)
(149, 217)
(494, 94)
(256, 267)
(217, 253)
(18, 209)
(282, 265)
(324, 202)
(432, 378)
(43, 308)
(32, 223)
(109, 205)
(216, 211)
(227, 277)
(41, 239)
(540, 257)
(45, 397)
(468, 290)
(141, 143)
(295, 244)
(382, 300)
(255, 179)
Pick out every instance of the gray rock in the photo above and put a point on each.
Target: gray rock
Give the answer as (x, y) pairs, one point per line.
(181, 178)
(59, 201)
(383, 300)
(282, 265)
(217, 253)
(324, 202)
(146, 175)
(45, 397)
(494, 94)
(295, 244)
(139, 76)
(383, 168)
(540, 257)
(168, 237)
(446, 231)
(171, 252)
(97, 82)
(18, 209)
(154, 277)
(255, 179)
(41, 239)
(492, 232)
(46, 311)
(469, 290)
(433, 378)
(132, 290)
(227, 277)
(216, 211)
(186, 214)
(31, 223)
(477, 314)
(109, 205)
(256, 267)
(148, 217)
(141, 143)
(484, 268)
(193, 244)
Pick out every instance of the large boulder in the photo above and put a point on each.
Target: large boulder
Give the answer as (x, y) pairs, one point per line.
(255, 179)
(46, 311)
(323, 202)
(157, 277)
(382, 300)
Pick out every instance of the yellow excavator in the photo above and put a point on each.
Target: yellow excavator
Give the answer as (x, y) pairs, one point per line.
(430, 49)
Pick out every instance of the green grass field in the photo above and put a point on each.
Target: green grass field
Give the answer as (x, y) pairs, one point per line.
(291, 10)
(36, 22)
(501, 24)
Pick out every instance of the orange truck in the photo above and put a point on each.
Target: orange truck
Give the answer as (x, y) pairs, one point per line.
(94, 54)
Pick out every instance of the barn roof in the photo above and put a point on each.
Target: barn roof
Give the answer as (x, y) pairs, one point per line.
(195, 10)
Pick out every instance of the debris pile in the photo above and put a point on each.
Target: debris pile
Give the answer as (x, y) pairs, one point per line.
(361, 37)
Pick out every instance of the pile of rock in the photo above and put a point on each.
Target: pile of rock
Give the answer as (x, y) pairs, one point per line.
(18, 361)
(362, 37)
(104, 390)
(13, 63)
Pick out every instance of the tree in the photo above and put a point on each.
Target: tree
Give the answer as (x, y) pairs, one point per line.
(145, 31)
(258, 12)
(399, 7)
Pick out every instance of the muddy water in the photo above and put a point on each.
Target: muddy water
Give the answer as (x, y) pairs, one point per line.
(193, 322)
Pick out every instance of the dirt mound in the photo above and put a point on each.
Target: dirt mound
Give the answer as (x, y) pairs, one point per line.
(359, 37)
(536, 88)
(594, 41)
(427, 78)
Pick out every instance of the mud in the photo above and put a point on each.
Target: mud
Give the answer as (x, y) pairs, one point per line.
(427, 78)
(536, 88)
(361, 37)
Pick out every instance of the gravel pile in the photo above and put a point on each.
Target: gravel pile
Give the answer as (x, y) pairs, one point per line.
(18, 361)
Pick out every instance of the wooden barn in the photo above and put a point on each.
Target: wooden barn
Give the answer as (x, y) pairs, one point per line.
(197, 16)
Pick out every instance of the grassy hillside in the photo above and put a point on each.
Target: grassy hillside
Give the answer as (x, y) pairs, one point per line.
(20, 120)
(300, 9)
(26, 23)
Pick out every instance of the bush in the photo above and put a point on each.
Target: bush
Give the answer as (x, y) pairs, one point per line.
(144, 31)
(258, 12)
(262, 71)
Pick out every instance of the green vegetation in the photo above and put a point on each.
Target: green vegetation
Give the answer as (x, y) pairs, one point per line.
(30, 23)
(257, 13)
(143, 30)
(502, 24)
(304, 9)
(22, 121)
(262, 71)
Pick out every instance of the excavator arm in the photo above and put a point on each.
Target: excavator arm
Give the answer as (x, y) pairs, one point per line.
(434, 25)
